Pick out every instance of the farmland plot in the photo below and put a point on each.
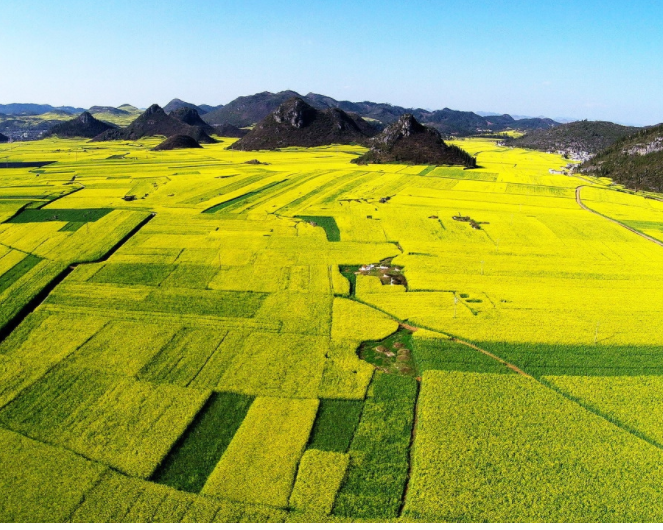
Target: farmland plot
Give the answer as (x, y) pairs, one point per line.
(213, 357)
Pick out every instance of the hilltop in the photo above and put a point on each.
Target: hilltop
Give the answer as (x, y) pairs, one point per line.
(177, 104)
(84, 126)
(635, 161)
(190, 116)
(296, 123)
(179, 141)
(155, 122)
(99, 109)
(247, 110)
(115, 115)
(579, 140)
(408, 141)
(129, 108)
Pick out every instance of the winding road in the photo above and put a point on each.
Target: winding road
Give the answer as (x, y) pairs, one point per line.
(584, 207)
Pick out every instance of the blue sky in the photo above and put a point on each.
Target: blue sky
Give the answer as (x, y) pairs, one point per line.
(580, 59)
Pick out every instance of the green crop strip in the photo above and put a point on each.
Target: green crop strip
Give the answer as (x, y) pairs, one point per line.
(328, 224)
(18, 270)
(241, 199)
(67, 216)
(335, 424)
(379, 452)
(196, 454)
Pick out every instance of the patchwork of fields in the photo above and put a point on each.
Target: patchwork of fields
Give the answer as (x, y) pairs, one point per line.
(181, 340)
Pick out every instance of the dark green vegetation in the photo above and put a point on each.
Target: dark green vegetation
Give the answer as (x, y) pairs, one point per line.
(15, 165)
(3, 139)
(348, 271)
(392, 355)
(590, 360)
(379, 452)
(194, 302)
(18, 270)
(407, 141)
(179, 141)
(237, 201)
(296, 123)
(635, 162)
(69, 216)
(328, 224)
(575, 139)
(442, 354)
(124, 273)
(84, 126)
(197, 452)
(155, 122)
(335, 424)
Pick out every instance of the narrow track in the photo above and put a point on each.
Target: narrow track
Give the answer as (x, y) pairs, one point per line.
(585, 207)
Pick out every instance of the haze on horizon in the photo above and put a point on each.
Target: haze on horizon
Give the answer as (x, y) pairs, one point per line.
(577, 59)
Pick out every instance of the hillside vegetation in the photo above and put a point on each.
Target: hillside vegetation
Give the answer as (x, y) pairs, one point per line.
(578, 140)
(635, 162)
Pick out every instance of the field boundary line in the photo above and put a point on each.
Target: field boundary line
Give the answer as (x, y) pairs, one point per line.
(410, 449)
(630, 229)
(593, 410)
(494, 357)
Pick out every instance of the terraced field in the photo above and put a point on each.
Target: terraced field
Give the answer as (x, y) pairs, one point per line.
(184, 338)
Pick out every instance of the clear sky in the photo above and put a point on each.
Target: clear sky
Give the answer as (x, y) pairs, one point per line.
(579, 59)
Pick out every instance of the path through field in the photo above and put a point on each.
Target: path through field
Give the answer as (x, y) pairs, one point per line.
(585, 207)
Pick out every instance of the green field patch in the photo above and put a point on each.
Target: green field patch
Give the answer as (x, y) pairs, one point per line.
(190, 276)
(17, 271)
(211, 303)
(40, 483)
(457, 173)
(72, 226)
(89, 215)
(133, 274)
(580, 359)
(392, 355)
(123, 347)
(328, 224)
(446, 354)
(197, 452)
(117, 421)
(182, 359)
(379, 452)
(335, 424)
(242, 199)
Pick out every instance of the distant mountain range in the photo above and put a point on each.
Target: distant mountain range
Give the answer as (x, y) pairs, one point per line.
(25, 109)
(248, 110)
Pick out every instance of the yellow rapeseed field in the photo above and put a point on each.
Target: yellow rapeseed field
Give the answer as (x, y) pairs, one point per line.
(138, 286)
